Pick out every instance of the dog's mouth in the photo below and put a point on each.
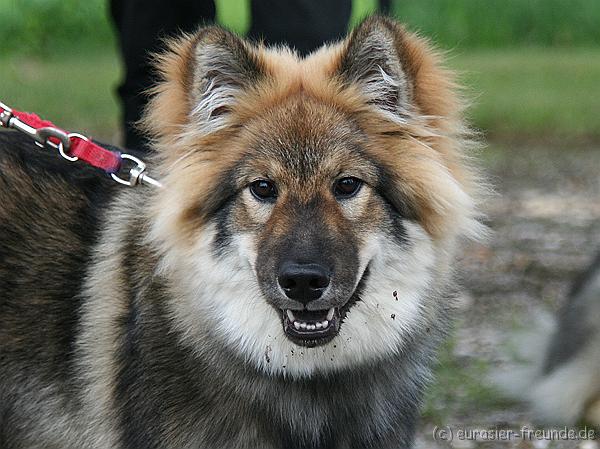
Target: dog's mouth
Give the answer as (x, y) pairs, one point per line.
(311, 328)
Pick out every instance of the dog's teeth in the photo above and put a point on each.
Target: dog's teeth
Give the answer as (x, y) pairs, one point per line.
(309, 326)
(290, 316)
(330, 314)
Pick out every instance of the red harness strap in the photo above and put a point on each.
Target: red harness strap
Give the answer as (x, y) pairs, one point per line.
(78, 147)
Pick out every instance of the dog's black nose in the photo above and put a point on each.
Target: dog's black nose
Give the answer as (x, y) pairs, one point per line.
(303, 282)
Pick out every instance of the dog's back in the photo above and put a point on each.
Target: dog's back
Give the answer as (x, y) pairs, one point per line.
(48, 221)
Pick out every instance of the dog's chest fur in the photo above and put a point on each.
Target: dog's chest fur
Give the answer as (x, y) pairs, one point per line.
(165, 392)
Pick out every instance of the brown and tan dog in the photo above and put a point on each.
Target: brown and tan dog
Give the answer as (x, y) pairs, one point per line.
(289, 285)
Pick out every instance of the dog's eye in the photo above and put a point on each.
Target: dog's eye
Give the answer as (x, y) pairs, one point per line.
(346, 187)
(264, 190)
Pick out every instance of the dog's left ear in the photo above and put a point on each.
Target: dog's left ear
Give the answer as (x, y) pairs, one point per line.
(372, 61)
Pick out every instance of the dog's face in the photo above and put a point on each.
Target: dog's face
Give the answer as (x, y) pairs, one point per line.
(310, 206)
(309, 201)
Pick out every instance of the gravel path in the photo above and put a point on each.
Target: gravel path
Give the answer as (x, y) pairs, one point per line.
(545, 220)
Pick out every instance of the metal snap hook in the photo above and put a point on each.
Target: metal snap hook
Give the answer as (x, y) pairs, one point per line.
(43, 135)
(134, 173)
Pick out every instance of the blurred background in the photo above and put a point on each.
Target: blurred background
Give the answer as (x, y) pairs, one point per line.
(532, 70)
(532, 66)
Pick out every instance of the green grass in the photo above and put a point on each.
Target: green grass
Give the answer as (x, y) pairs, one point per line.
(534, 92)
(503, 23)
(75, 91)
(41, 25)
(550, 93)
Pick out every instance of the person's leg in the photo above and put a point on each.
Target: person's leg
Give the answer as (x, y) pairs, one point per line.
(140, 25)
(302, 24)
(384, 6)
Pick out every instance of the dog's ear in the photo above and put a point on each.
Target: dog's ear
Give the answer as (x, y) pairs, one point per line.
(223, 65)
(372, 61)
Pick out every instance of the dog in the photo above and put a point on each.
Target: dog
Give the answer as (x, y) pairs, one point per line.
(561, 380)
(289, 285)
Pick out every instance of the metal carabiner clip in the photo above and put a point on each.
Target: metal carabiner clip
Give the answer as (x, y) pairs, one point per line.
(5, 115)
(137, 174)
(42, 139)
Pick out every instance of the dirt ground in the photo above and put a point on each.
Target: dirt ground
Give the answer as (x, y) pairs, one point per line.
(545, 222)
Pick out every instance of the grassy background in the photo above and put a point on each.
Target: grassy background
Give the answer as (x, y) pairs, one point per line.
(550, 92)
(533, 92)
(502, 23)
(44, 25)
(74, 91)
(531, 67)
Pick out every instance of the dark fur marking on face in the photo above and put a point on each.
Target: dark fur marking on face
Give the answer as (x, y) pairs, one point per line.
(386, 187)
(223, 233)
(307, 222)
(214, 201)
(220, 211)
(398, 230)
(307, 239)
(221, 194)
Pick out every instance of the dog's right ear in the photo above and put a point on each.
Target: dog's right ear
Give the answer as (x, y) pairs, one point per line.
(222, 66)
(201, 78)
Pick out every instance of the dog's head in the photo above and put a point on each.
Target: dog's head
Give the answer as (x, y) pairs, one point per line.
(310, 205)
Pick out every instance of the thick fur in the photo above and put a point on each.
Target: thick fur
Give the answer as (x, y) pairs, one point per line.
(562, 380)
(143, 318)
